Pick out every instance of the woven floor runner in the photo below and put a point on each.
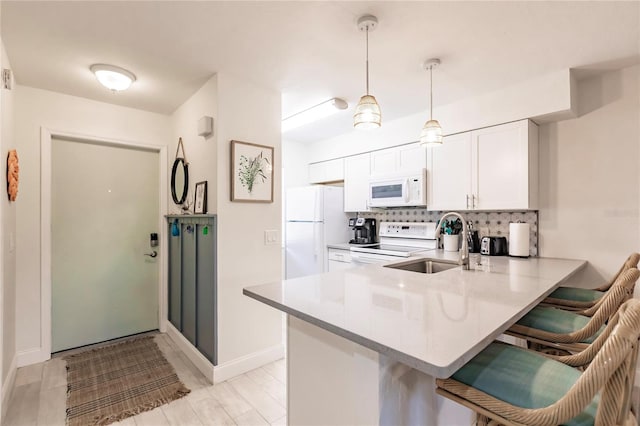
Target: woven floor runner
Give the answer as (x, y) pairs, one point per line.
(109, 384)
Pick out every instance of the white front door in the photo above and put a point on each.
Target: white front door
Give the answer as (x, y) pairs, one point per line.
(105, 205)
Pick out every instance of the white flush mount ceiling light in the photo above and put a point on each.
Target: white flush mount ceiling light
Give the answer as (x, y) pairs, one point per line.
(112, 77)
(314, 113)
(431, 132)
(367, 114)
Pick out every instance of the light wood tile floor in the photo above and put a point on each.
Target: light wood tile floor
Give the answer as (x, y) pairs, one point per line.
(255, 398)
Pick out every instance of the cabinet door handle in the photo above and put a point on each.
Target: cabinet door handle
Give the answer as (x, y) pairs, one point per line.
(473, 201)
(467, 201)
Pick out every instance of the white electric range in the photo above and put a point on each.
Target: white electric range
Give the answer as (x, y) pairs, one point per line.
(397, 240)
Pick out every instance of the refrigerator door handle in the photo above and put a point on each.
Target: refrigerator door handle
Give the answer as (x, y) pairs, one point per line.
(316, 240)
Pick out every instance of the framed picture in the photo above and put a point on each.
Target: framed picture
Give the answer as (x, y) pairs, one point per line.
(251, 172)
(200, 202)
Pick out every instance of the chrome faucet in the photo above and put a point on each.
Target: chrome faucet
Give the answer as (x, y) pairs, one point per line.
(464, 251)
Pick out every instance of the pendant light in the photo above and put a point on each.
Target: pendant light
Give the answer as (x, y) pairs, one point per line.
(431, 132)
(367, 114)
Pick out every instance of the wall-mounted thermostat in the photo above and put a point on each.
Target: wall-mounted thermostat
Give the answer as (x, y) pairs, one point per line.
(205, 126)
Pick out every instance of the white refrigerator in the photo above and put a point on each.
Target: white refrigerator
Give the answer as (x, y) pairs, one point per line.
(314, 218)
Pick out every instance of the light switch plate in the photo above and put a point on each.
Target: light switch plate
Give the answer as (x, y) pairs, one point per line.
(271, 236)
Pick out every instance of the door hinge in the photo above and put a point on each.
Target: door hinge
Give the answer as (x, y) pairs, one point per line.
(6, 78)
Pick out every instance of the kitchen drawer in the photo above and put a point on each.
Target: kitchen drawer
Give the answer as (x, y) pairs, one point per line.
(340, 255)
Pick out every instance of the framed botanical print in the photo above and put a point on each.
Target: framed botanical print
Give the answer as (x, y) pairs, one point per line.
(251, 172)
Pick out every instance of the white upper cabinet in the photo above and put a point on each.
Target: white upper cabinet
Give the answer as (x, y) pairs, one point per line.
(356, 183)
(384, 162)
(412, 157)
(495, 168)
(449, 174)
(505, 172)
(327, 171)
(400, 159)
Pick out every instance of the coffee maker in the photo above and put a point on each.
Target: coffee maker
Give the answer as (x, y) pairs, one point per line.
(364, 230)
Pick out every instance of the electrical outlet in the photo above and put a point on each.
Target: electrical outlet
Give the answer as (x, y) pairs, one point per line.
(271, 237)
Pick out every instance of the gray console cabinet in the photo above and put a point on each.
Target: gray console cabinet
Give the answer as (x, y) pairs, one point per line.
(192, 280)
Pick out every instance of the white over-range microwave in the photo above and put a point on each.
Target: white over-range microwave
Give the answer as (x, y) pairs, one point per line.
(399, 190)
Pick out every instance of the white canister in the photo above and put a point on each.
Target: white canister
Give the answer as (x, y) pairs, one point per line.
(450, 242)
(519, 239)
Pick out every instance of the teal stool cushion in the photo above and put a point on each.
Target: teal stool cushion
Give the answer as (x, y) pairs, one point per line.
(576, 294)
(556, 321)
(523, 378)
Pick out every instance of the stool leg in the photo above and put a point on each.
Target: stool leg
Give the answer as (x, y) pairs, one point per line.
(482, 420)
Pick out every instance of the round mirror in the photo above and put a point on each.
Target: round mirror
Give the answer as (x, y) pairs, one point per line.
(179, 181)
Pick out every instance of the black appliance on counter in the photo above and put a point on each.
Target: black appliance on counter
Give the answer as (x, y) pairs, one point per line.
(364, 230)
(494, 246)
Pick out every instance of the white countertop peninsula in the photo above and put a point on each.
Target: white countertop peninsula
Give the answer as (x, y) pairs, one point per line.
(432, 322)
(358, 338)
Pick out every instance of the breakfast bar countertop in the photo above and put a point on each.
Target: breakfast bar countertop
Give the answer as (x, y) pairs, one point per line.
(434, 323)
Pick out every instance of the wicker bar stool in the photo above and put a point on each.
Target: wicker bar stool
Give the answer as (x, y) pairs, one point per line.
(510, 385)
(574, 331)
(576, 299)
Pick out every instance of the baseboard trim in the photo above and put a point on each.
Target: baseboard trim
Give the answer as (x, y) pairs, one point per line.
(194, 355)
(31, 356)
(7, 387)
(233, 368)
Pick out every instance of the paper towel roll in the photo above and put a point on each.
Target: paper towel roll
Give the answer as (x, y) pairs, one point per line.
(519, 239)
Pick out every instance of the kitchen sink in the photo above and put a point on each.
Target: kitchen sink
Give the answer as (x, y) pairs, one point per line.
(425, 266)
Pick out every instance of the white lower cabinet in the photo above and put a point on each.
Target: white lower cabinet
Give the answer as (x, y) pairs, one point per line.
(356, 183)
(339, 259)
(495, 168)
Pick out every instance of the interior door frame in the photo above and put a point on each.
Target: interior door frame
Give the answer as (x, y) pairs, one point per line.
(46, 137)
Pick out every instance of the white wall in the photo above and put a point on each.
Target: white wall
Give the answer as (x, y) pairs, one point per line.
(590, 177)
(248, 332)
(201, 152)
(8, 233)
(501, 106)
(7, 246)
(252, 114)
(35, 108)
(295, 164)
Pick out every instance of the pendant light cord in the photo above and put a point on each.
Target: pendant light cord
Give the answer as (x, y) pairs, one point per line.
(431, 93)
(367, 36)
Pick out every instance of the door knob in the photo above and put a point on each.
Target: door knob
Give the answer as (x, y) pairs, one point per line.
(152, 254)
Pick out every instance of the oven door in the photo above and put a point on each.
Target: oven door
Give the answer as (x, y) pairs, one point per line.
(390, 192)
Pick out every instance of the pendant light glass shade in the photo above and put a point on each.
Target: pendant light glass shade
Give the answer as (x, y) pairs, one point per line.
(367, 115)
(431, 133)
